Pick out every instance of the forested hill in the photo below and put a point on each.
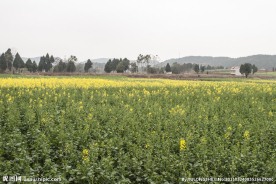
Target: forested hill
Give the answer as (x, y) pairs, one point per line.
(261, 61)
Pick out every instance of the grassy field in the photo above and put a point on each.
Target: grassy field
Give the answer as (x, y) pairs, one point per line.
(124, 130)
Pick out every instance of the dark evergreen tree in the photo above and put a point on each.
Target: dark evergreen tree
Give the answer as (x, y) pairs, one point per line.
(9, 59)
(196, 68)
(29, 65)
(60, 67)
(254, 69)
(18, 62)
(88, 65)
(48, 64)
(34, 66)
(125, 63)
(246, 69)
(41, 64)
(168, 68)
(52, 59)
(114, 64)
(202, 68)
(70, 67)
(108, 66)
(120, 67)
(3, 63)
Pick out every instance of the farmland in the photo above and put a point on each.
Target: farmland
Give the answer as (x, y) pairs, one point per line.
(126, 130)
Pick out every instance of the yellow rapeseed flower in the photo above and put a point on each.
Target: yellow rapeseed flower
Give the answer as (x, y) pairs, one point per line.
(246, 134)
(182, 144)
(85, 152)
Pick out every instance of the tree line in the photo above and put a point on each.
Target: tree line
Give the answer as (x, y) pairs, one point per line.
(10, 62)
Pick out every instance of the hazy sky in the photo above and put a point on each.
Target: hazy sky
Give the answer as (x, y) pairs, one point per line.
(126, 28)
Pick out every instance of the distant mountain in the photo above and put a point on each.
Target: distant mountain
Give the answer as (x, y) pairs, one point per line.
(261, 61)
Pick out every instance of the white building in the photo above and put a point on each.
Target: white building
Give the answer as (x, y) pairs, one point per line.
(236, 71)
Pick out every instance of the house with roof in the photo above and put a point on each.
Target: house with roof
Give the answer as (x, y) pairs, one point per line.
(235, 71)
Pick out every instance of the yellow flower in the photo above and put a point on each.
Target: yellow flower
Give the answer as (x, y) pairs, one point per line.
(227, 135)
(85, 152)
(86, 159)
(270, 114)
(246, 134)
(182, 144)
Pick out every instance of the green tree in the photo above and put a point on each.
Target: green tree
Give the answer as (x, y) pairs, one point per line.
(114, 64)
(41, 64)
(196, 68)
(52, 59)
(29, 65)
(143, 60)
(120, 67)
(34, 66)
(61, 66)
(3, 63)
(202, 69)
(133, 68)
(254, 69)
(47, 62)
(168, 68)
(108, 66)
(246, 69)
(176, 68)
(9, 59)
(125, 64)
(18, 62)
(88, 65)
(70, 67)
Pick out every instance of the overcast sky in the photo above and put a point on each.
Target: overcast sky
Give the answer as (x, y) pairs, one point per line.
(126, 28)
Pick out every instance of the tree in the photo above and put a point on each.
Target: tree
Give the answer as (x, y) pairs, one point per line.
(108, 66)
(125, 64)
(254, 69)
(9, 59)
(168, 68)
(196, 68)
(41, 64)
(246, 69)
(18, 62)
(120, 67)
(202, 68)
(60, 67)
(147, 59)
(114, 64)
(133, 68)
(88, 65)
(152, 70)
(34, 66)
(29, 65)
(142, 60)
(176, 68)
(70, 67)
(3, 63)
(52, 59)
